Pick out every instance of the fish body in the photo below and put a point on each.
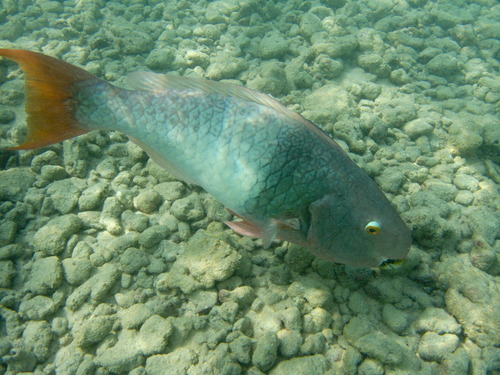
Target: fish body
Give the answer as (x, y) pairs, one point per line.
(283, 176)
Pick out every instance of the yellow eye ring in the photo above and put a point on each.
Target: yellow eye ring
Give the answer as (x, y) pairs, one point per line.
(372, 227)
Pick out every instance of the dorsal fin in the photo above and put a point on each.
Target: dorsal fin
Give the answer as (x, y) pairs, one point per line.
(148, 81)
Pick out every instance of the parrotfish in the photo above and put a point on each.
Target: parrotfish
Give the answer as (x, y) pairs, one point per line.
(281, 175)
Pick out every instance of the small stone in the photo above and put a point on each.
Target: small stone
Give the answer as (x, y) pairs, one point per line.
(124, 356)
(93, 197)
(132, 260)
(378, 346)
(93, 330)
(15, 183)
(52, 237)
(266, 351)
(444, 65)
(292, 319)
(147, 201)
(310, 365)
(455, 363)
(272, 46)
(434, 347)
(418, 127)
(37, 308)
(134, 221)
(316, 320)
(370, 367)
(437, 320)
(76, 271)
(394, 318)
(188, 209)
(45, 276)
(154, 334)
(153, 235)
(313, 344)
(241, 347)
(290, 342)
(160, 59)
(7, 273)
(177, 362)
(134, 316)
(53, 173)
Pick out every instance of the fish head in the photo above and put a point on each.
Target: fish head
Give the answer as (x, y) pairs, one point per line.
(358, 228)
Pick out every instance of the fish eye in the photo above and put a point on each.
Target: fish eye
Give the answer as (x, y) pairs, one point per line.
(372, 227)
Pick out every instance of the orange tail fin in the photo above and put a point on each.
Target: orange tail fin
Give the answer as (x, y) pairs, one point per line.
(49, 89)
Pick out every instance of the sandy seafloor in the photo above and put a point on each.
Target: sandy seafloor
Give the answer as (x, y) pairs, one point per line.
(108, 265)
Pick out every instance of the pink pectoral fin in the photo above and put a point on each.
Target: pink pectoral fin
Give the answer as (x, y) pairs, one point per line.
(245, 228)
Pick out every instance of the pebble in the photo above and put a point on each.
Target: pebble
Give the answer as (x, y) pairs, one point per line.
(37, 308)
(188, 209)
(316, 320)
(7, 273)
(124, 356)
(134, 221)
(154, 334)
(134, 316)
(177, 362)
(290, 342)
(52, 237)
(15, 183)
(132, 260)
(370, 367)
(395, 319)
(76, 271)
(381, 347)
(46, 275)
(93, 196)
(310, 365)
(266, 351)
(153, 235)
(444, 65)
(434, 347)
(147, 201)
(92, 331)
(272, 46)
(242, 347)
(437, 320)
(313, 344)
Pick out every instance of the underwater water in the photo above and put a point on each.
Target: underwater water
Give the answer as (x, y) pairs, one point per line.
(109, 265)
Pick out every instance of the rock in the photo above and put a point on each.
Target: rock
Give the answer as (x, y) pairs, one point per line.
(418, 127)
(134, 221)
(310, 365)
(437, 320)
(273, 45)
(154, 334)
(132, 260)
(64, 195)
(93, 197)
(76, 271)
(225, 67)
(391, 179)
(434, 347)
(395, 319)
(204, 261)
(177, 362)
(292, 319)
(370, 367)
(124, 356)
(271, 79)
(317, 320)
(375, 64)
(188, 209)
(378, 346)
(7, 273)
(45, 276)
(52, 237)
(134, 316)
(455, 363)
(310, 24)
(20, 360)
(356, 328)
(92, 331)
(313, 344)
(241, 347)
(37, 337)
(266, 351)
(290, 342)
(327, 103)
(14, 183)
(148, 201)
(465, 135)
(444, 65)
(315, 292)
(153, 235)
(37, 308)
(160, 59)
(52, 173)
